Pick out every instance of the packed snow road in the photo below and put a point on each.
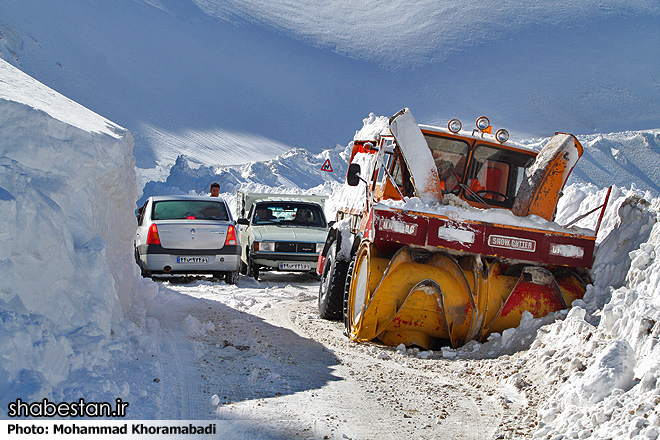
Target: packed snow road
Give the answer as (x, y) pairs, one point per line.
(257, 358)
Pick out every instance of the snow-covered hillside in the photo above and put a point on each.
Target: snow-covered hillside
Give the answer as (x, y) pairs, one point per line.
(296, 171)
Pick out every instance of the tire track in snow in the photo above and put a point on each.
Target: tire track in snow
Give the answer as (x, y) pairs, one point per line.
(182, 392)
(182, 385)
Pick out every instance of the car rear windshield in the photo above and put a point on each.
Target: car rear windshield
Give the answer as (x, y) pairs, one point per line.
(189, 210)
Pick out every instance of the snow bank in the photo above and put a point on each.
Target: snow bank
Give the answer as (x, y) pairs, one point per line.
(603, 359)
(67, 192)
(372, 127)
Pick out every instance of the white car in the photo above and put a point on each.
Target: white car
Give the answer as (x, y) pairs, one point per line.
(280, 232)
(187, 235)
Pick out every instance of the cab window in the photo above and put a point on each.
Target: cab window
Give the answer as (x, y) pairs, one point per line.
(384, 159)
(495, 174)
(450, 158)
(401, 176)
(454, 150)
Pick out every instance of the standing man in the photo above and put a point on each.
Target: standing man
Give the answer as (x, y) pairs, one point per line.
(215, 189)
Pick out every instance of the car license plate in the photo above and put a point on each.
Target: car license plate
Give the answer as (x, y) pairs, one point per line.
(294, 266)
(198, 260)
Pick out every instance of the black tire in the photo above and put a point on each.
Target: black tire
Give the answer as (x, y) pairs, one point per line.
(243, 269)
(331, 290)
(252, 269)
(231, 277)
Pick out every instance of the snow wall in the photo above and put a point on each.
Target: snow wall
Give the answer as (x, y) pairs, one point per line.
(67, 200)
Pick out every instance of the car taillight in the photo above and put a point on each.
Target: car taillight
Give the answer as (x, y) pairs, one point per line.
(231, 236)
(152, 237)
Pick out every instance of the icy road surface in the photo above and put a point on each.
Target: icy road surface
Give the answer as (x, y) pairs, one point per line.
(257, 358)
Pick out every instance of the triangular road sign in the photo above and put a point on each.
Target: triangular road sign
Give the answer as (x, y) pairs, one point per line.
(326, 166)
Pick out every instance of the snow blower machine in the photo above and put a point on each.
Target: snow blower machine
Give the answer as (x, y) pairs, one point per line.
(445, 236)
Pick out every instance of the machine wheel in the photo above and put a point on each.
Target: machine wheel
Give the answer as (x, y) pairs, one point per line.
(358, 292)
(243, 268)
(333, 282)
(231, 277)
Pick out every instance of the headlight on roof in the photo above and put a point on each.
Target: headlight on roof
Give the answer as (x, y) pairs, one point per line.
(483, 123)
(502, 135)
(454, 125)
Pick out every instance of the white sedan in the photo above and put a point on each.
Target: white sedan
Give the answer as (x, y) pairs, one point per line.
(282, 235)
(187, 235)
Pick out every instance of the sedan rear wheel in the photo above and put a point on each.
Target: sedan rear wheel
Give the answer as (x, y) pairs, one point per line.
(231, 277)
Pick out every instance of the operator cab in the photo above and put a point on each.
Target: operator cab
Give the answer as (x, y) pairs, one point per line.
(481, 171)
